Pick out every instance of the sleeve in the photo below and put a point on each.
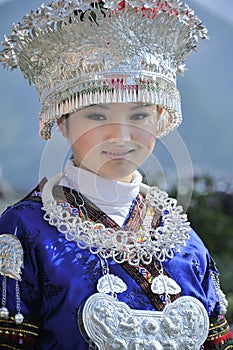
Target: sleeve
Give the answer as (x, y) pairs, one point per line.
(220, 336)
(19, 286)
(200, 279)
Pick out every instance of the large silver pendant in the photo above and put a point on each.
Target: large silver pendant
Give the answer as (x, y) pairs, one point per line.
(111, 324)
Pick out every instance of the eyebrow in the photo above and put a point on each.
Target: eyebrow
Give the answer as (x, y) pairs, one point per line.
(104, 106)
(136, 106)
(140, 106)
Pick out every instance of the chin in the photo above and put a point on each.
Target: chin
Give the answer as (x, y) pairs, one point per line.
(117, 169)
(116, 175)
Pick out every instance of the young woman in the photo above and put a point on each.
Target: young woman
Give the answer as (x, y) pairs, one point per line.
(93, 258)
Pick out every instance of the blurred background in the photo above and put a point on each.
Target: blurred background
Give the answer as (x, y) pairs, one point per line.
(205, 152)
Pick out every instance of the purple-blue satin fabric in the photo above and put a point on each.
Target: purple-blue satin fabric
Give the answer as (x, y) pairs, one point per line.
(58, 277)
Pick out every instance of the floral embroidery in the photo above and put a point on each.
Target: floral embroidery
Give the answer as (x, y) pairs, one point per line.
(50, 290)
(196, 266)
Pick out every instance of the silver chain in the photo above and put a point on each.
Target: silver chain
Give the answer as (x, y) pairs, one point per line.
(17, 297)
(4, 291)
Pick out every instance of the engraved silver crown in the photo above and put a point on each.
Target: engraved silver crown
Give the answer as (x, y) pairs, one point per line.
(79, 53)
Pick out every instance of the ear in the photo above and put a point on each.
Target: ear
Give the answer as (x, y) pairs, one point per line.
(62, 125)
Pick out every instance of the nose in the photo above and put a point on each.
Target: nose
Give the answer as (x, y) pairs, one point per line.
(119, 132)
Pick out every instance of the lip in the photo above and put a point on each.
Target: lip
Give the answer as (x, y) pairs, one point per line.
(117, 154)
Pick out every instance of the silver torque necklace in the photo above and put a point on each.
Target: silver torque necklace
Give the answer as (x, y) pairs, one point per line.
(122, 245)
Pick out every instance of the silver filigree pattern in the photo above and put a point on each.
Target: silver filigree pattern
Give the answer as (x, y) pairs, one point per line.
(121, 245)
(11, 256)
(111, 324)
(77, 54)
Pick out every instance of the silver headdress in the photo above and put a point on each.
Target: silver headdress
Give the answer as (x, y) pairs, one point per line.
(79, 53)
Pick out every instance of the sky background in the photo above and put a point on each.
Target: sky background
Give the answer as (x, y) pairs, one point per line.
(207, 96)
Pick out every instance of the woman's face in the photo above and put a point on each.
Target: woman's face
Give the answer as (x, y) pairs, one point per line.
(112, 140)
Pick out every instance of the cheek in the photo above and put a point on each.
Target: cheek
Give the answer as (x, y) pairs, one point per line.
(84, 143)
(145, 139)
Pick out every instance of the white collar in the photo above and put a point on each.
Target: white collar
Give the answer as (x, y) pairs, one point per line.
(111, 196)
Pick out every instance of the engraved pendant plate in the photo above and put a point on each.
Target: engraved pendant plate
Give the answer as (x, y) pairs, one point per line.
(11, 256)
(164, 285)
(111, 324)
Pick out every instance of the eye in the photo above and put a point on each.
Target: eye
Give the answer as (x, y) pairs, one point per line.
(96, 117)
(139, 116)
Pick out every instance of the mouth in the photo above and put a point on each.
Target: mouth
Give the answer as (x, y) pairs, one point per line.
(118, 154)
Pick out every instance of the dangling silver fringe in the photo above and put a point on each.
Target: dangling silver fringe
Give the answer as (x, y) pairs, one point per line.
(18, 317)
(4, 313)
(113, 91)
(11, 262)
(222, 298)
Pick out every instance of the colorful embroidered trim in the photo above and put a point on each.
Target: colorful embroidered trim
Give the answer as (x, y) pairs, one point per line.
(220, 336)
(23, 335)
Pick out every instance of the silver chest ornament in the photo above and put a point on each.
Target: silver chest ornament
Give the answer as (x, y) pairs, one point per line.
(11, 264)
(111, 324)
